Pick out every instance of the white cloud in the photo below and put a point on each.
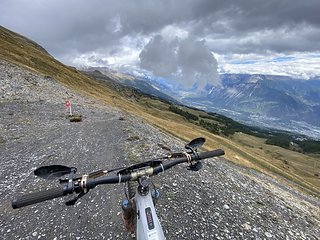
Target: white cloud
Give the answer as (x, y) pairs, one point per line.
(297, 65)
(127, 56)
(118, 58)
(171, 32)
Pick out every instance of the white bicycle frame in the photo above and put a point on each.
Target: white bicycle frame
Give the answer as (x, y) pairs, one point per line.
(147, 225)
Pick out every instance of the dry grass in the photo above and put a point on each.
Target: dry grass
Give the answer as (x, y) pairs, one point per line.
(241, 149)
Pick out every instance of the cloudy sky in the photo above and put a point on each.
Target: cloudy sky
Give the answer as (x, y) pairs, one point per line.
(189, 40)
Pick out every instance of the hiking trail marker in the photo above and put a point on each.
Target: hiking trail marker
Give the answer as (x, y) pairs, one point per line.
(68, 107)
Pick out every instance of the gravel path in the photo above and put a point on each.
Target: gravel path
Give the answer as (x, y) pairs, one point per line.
(222, 201)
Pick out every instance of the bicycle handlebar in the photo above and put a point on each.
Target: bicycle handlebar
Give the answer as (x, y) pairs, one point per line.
(209, 154)
(198, 157)
(36, 197)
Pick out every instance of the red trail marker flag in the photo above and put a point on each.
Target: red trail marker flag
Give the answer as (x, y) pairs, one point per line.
(68, 107)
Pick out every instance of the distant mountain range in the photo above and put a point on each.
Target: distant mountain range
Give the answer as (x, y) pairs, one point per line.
(264, 100)
(271, 101)
(271, 96)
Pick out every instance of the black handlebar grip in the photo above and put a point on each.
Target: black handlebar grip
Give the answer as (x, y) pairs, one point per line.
(36, 197)
(209, 154)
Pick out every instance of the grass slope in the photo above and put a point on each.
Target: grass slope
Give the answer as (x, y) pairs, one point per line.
(242, 149)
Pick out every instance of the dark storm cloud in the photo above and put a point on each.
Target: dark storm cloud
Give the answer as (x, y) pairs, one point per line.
(241, 26)
(159, 56)
(246, 26)
(72, 28)
(189, 61)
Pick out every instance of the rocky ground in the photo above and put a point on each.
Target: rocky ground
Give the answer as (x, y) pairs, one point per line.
(222, 201)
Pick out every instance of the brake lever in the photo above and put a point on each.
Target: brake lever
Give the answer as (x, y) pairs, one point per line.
(195, 167)
(74, 200)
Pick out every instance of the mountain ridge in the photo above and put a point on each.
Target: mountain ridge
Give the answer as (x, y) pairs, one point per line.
(130, 81)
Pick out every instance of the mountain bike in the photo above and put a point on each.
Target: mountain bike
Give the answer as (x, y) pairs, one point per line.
(138, 208)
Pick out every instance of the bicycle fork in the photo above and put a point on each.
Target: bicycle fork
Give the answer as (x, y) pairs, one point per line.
(139, 213)
(147, 226)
